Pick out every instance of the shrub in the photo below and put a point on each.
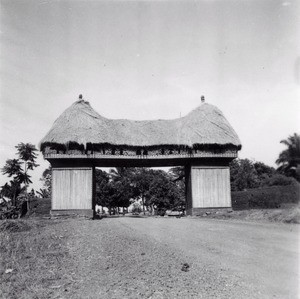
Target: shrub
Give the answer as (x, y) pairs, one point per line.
(266, 198)
(279, 180)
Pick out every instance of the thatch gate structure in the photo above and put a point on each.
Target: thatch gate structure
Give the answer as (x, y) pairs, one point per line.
(80, 140)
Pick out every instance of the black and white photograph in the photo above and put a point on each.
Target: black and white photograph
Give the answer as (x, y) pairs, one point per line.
(149, 149)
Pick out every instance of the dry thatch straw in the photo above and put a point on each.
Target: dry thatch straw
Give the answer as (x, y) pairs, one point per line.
(81, 124)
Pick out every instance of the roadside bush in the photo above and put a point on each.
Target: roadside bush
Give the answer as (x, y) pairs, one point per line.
(240, 200)
(279, 180)
(265, 198)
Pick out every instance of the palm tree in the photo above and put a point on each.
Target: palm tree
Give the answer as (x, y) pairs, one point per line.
(27, 154)
(11, 190)
(6, 191)
(12, 167)
(289, 159)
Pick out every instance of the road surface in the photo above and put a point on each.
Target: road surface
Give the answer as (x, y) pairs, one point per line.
(129, 257)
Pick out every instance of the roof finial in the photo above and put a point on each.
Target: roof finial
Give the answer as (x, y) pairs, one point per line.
(80, 96)
(202, 99)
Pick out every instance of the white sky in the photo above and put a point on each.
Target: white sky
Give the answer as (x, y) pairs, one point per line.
(150, 60)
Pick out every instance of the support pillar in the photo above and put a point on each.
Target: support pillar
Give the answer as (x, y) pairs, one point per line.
(207, 188)
(72, 191)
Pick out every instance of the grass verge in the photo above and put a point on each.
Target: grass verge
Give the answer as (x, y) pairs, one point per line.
(287, 214)
(32, 254)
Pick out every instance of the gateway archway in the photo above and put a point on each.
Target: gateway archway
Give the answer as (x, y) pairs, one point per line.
(80, 140)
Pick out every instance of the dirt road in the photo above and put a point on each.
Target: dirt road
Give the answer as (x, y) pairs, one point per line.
(184, 258)
(129, 257)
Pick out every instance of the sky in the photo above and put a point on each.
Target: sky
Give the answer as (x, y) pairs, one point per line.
(150, 60)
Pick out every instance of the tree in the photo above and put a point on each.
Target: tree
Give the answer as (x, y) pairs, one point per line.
(6, 190)
(43, 193)
(102, 188)
(164, 192)
(289, 159)
(178, 177)
(13, 168)
(11, 189)
(156, 188)
(243, 175)
(46, 179)
(264, 173)
(121, 184)
(114, 190)
(142, 178)
(117, 188)
(27, 155)
(178, 173)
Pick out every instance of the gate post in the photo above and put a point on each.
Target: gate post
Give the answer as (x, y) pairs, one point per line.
(207, 188)
(72, 191)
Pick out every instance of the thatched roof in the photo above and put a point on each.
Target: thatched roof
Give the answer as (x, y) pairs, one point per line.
(80, 123)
